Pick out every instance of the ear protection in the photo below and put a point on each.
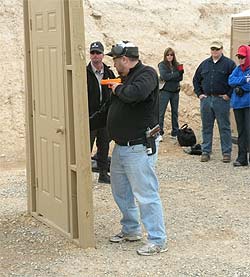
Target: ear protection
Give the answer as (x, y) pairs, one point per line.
(124, 48)
(118, 50)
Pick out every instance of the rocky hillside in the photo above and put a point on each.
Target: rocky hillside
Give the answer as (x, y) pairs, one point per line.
(187, 26)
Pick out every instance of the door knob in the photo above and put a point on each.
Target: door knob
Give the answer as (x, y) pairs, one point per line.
(60, 130)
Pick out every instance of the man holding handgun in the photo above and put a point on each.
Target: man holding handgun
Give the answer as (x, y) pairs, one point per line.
(132, 121)
(97, 96)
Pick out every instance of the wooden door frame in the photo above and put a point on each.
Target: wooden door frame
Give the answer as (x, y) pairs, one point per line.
(77, 125)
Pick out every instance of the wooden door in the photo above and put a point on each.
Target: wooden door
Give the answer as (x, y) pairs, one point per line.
(49, 111)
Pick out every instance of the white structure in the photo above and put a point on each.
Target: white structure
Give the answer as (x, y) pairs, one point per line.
(240, 34)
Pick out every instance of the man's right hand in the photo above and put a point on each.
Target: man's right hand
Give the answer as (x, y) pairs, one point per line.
(202, 96)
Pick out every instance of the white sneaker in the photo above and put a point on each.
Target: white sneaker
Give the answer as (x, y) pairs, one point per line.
(125, 237)
(160, 138)
(150, 249)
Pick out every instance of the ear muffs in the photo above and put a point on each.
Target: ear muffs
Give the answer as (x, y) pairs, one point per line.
(117, 50)
(120, 50)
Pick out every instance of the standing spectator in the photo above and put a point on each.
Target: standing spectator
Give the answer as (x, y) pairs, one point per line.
(211, 86)
(97, 96)
(171, 73)
(240, 102)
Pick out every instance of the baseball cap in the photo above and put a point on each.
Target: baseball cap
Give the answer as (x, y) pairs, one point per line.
(96, 46)
(216, 44)
(124, 48)
(242, 51)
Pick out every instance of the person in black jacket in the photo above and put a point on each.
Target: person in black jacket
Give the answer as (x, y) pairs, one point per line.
(97, 96)
(171, 73)
(134, 108)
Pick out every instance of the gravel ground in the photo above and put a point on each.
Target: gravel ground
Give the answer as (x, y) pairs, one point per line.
(207, 217)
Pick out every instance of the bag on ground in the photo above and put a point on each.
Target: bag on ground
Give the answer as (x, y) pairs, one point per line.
(193, 150)
(186, 136)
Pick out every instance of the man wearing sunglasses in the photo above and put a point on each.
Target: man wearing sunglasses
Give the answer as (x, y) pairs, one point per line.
(133, 109)
(211, 86)
(97, 96)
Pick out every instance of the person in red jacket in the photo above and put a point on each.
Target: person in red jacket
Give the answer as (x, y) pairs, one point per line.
(240, 102)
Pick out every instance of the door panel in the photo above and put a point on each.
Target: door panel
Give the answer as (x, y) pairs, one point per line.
(49, 113)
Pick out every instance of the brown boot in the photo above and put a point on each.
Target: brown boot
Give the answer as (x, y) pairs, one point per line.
(205, 157)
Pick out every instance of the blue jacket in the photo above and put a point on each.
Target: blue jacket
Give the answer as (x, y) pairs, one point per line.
(212, 78)
(238, 78)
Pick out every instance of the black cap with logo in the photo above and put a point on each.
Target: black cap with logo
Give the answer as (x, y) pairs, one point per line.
(96, 46)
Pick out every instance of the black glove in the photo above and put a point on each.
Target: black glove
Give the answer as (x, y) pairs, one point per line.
(239, 91)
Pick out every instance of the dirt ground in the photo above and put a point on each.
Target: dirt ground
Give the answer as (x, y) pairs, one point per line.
(206, 208)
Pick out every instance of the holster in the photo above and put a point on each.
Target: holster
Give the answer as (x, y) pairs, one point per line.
(151, 146)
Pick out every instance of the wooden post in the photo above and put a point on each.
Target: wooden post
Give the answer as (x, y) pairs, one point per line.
(81, 123)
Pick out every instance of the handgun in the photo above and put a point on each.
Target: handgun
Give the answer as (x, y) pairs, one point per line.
(153, 132)
(151, 135)
(109, 82)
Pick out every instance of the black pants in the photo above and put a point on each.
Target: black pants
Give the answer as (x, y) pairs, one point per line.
(102, 144)
(242, 117)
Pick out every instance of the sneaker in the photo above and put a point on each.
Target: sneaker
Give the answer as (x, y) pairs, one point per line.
(160, 138)
(173, 137)
(226, 158)
(125, 237)
(150, 249)
(205, 157)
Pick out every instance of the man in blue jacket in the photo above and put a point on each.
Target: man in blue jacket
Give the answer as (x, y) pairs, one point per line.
(211, 86)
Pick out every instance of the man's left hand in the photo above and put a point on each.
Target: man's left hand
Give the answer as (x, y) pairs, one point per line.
(225, 97)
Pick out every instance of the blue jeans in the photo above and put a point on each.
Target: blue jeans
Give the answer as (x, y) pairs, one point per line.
(173, 97)
(217, 108)
(133, 178)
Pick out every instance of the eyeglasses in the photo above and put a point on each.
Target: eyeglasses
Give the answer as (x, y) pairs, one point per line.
(95, 52)
(170, 54)
(241, 57)
(215, 49)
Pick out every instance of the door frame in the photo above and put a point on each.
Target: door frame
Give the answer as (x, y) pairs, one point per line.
(77, 126)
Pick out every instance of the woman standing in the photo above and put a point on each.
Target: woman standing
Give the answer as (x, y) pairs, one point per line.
(240, 102)
(171, 72)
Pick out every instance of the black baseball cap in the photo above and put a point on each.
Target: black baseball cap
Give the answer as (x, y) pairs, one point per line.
(96, 46)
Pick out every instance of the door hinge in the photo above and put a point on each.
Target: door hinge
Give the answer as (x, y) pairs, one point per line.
(36, 182)
(30, 24)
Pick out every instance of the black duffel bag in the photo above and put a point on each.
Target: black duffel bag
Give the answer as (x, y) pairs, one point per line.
(186, 136)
